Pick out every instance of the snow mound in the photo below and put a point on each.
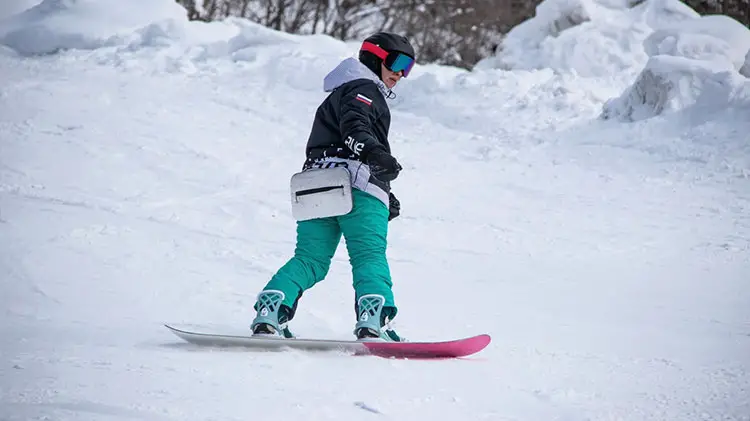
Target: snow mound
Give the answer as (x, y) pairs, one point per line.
(745, 70)
(697, 63)
(658, 14)
(55, 25)
(14, 7)
(708, 38)
(231, 37)
(592, 38)
(161, 40)
(670, 84)
(244, 37)
(7, 52)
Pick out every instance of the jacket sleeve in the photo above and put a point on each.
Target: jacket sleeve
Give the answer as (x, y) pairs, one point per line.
(360, 108)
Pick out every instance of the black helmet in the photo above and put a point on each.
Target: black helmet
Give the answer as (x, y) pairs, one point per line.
(391, 43)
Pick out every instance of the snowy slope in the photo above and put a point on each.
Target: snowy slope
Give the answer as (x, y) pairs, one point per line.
(14, 7)
(144, 179)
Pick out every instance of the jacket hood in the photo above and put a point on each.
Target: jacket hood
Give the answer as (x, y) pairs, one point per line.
(349, 70)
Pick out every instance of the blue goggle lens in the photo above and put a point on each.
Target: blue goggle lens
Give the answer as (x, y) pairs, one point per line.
(399, 62)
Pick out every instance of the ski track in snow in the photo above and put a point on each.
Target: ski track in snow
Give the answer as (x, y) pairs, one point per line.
(608, 261)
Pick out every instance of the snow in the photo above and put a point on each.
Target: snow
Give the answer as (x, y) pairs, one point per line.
(13, 7)
(144, 176)
(663, 56)
(708, 38)
(694, 63)
(745, 69)
(666, 13)
(670, 84)
(83, 24)
(585, 37)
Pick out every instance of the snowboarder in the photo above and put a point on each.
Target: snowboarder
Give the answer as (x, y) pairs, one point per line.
(350, 130)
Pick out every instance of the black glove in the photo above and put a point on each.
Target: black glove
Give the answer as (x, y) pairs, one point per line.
(383, 165)
(394, 207)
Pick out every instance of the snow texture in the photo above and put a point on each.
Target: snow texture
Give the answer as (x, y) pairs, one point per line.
(13, 7)
(53, 25)
(666, 56)
(144, 178)
(745, 70)
(709, 38)
(586, 37)
(670, 84)
(694, 63)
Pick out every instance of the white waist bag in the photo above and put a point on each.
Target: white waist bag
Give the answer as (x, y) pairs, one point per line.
(320, 193)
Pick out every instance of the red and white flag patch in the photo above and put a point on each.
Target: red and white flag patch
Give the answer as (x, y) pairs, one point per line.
(362, 98)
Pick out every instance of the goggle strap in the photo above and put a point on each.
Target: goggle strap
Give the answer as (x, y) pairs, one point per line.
(377, 50)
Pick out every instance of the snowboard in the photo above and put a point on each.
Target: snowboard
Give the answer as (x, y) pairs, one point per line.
(403, 350)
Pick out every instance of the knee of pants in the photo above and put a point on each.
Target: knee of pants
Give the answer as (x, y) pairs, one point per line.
(368, 260)
(317, 268)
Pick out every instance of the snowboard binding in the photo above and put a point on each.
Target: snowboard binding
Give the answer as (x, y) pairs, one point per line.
(273, 317)
(373, 320)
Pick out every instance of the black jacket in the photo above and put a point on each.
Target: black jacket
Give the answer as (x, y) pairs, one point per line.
(350, 123)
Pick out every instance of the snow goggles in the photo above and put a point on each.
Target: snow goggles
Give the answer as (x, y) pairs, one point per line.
(394, 61)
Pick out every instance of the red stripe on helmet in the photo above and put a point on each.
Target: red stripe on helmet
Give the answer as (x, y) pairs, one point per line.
(370, 47)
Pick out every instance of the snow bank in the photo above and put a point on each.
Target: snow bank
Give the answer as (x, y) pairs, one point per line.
(709, 38)
(7, 52)
(697, 63)
(598, 38)
(669, 84)
(658, 14)
(53, 25)
(745, 70)
(129, 28)
(243, 37)
(661, 54)
(13, 7)
(536, 43)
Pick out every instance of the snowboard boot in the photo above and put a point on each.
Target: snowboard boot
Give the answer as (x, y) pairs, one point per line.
(272, 317)
(373, 320)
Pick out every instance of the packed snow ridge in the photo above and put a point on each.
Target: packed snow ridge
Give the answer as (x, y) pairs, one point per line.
(683, 59)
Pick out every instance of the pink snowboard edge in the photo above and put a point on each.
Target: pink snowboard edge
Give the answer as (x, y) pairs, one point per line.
(447, 349)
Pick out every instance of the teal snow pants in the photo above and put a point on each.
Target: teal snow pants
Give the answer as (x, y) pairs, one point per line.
(365, 230)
